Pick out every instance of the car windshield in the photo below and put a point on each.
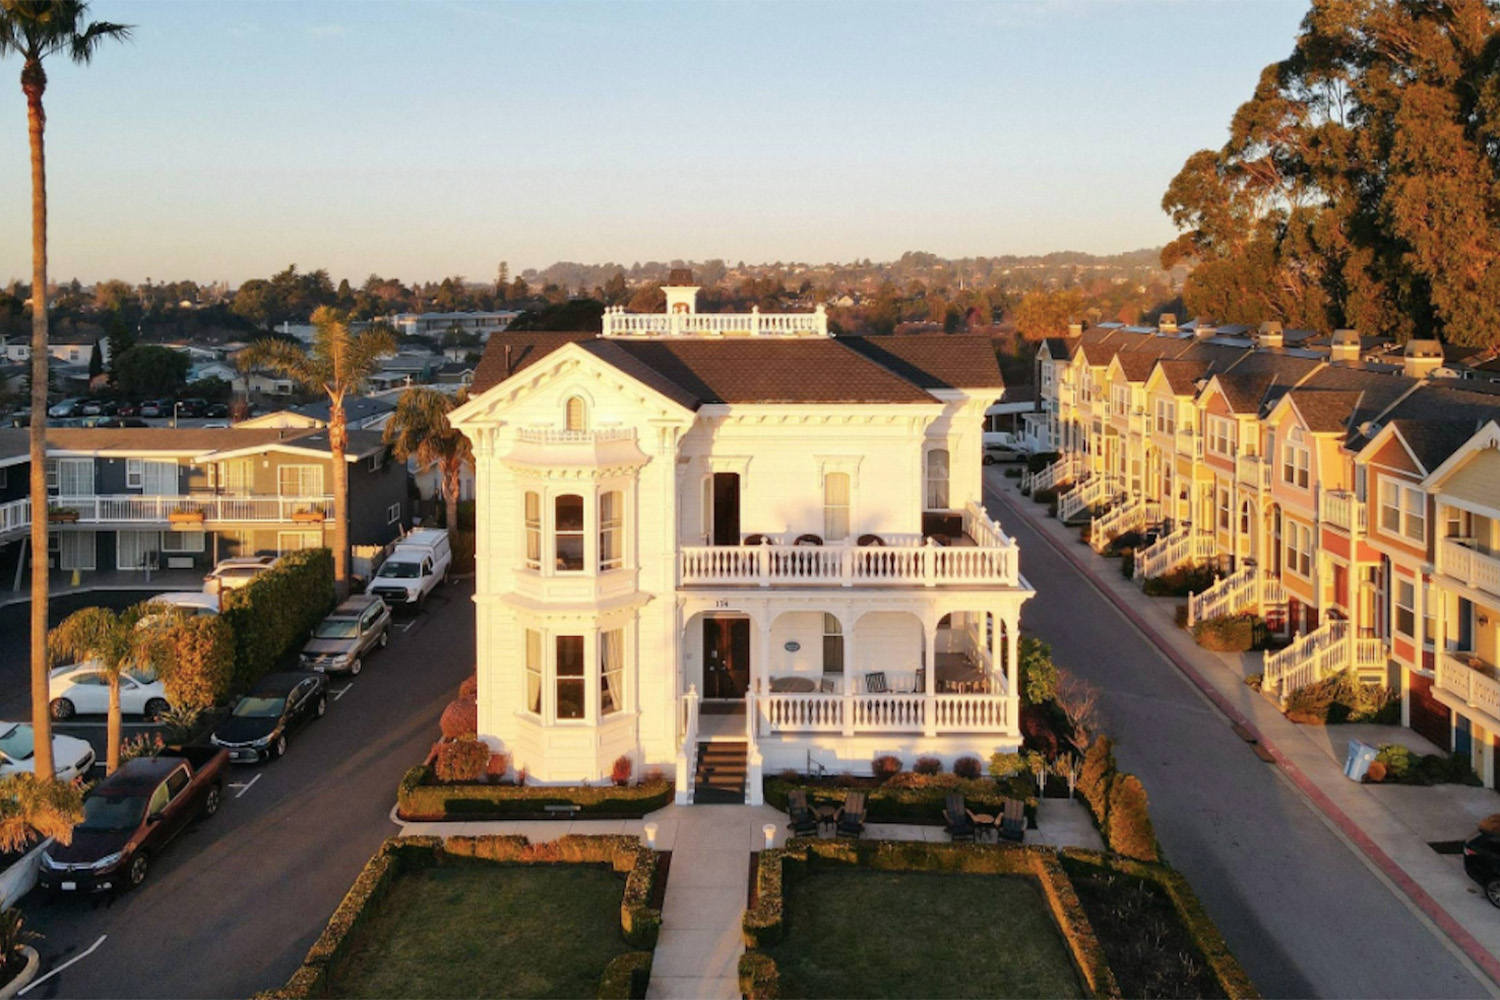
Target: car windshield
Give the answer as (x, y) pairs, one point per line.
(259, 708)
(401, 570)
(16, 742)
(337, 628)
(112, 812)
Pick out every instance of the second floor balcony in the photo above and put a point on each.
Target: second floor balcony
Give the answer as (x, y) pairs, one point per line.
(136, 510)
(1343, 510)
(1252, 471)
(1461, 560)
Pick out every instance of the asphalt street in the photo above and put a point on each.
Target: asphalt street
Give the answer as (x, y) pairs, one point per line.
(233, 904)
(1298, 905)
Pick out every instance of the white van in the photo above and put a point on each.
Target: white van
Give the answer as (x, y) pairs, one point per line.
(414, 568)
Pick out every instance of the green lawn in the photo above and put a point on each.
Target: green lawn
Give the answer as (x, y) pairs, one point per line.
(862, 933)
(488, 930)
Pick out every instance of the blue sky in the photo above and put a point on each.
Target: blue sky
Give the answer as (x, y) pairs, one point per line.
(422, 139)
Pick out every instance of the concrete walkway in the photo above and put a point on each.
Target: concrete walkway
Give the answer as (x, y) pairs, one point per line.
(1391, 826)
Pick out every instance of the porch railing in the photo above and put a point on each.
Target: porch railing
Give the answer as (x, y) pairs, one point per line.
(932, 715)
(1182, 546)
(1064, 470)
(1252, 471)
(1458, 558)
(15, 516)
(687, 750)
(1134, 515)
(130, 508)
(1243, 590)
(1085, 496)
(1476, 689)
(1343, 510)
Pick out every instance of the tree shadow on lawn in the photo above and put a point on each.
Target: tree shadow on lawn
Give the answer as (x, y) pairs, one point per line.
(863, 933)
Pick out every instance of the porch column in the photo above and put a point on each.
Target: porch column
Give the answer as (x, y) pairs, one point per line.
(760, 653)
(929, 709)
(847, 713)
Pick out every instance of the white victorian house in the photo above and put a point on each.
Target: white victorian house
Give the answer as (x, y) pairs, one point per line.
(737, 530)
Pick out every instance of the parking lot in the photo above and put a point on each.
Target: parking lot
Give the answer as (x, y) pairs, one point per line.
(233, 904)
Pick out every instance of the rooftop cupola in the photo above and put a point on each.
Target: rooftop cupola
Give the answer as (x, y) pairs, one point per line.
(1421, 358)
(682, 294)
(1344, 346)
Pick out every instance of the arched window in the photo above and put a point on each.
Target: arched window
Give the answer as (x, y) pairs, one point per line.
(567, 531)
(576, 414)
(611, 530)
(937, 479)
(833, 645)
(533, 531)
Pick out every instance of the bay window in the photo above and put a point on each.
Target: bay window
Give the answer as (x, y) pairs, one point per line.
(611, 530)
(569, 681)
(533, 672)
(567, 532)
(611, 671)
(533, 531)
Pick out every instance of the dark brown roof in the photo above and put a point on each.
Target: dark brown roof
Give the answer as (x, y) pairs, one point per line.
(1338, 397)
(526, 348)
(1436, 418)
(1183, 376)
(937, 361)
(1136, 365)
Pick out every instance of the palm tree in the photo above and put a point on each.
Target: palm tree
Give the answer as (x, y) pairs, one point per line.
(33, 808)
(337, 363)
(35, 30)
(123, 643)
(420, 428)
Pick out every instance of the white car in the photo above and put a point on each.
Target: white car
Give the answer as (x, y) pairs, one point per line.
(240, 571)
(195, 603)
(83, 689)
(71, 757)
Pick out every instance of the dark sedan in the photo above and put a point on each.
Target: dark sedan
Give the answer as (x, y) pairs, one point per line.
(1482, 858)
(258, 726)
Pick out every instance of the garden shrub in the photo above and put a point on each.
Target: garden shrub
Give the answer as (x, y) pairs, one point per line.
(1040, 460)
(198, 668)
(460, 718)
(928, 765)
(1048, 497)
(469, 689)
(967, 768)
(497, 766)
(1003, 765)
(885, 766)
(626, 977)
(1127, 563)
(463, 759)
(1013, 473)
(622, 769)
(1342, 697)
(1095, 778)
(1130, 829)
(1230, 633)
(273, 614)
(908, 798)
(1180, 615)
(1038, 672)
(759, 977)
(1180, 582)
(419, 798)
(1402, 766)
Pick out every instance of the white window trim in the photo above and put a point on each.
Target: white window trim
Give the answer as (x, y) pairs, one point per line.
(1397, 607)
(135, 473)
(303, 471)
(393, 513)
(1404, 518)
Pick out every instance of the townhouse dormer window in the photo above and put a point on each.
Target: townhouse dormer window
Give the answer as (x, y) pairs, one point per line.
(1296, 462)
(1403, 510)
(567, 532)
(575, 414)
(1121, 400)
(937, 479)
(1166, 416)
(1223, 436)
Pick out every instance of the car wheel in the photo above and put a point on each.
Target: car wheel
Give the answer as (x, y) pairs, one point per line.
(989, 460)
(323, 702)
(212, 800)
(355, 666)
(385, 638)
(62, 708)
(136, 873)
(156, 708)
(279, 747)
(1492, 891)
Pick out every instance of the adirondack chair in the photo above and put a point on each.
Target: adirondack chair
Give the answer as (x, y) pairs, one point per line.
(1013, 820)
(851, 815)
(960, 826)
(804, 820)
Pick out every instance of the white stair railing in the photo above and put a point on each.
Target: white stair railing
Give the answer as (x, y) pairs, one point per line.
(1230, 595)
(687, 752)
(1064, 470)
(1134, 515)
(1311, 657)
(1082, 497)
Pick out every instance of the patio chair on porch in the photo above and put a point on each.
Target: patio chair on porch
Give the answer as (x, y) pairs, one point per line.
(921, 687)
(804, 822)
(959, 826)
(827, 685)
(1013, 820)
(875, 683)
(850, 818)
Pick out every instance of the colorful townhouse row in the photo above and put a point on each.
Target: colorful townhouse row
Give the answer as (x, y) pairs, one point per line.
(1348, 496)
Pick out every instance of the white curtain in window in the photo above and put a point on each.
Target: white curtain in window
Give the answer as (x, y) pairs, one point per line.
(75, 477)
(937, 479)
(76, 550)
(836, 505)
(159, 478)
(612, 671)
(300, 480)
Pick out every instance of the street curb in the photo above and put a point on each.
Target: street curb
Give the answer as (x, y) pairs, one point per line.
(1471, 947)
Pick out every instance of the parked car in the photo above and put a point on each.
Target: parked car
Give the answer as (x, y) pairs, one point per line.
(72, 407)
(194, 602)
(216, 425)
(129, 410)
(217, 411)
(130, 816)
(92, 407)
(257, 726)
(156, 408)
(121, 422)
(413, 569)
(342, 640)
(229, 574)
(1482, 858)
(1002, 446)
(82, 689)
(191, 407)
(71, 757)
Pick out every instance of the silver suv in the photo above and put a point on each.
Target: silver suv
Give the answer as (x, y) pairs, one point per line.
(342, 640)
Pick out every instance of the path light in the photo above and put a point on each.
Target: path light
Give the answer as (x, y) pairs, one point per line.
(650, 829)
(770, 831)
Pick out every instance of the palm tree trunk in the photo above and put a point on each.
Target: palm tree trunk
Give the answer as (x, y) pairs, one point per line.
(451, 473)
(338, 443)
(113, 729)
(33, 83)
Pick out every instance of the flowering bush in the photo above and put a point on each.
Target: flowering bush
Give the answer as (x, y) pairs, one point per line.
(967, 768)
(460, 718)
(622, 770)
(885, 766)
(461, 759)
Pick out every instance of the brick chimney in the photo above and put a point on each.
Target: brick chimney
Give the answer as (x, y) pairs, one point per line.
(1345, 346)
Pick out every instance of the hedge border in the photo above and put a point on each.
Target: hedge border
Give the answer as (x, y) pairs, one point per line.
(640, 923)
(764, 923)
(889, 804)
(626, 977)
(1232, 977)
(420, 799)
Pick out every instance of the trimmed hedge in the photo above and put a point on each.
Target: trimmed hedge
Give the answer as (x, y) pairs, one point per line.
(909, 797)
(626, 977)
(420, 798)
(1230, 633)
(1195, 920)
(1180, 582)
(1130, 831)
(765, 923)
(1095, 777)
(199, 671)
(274, 613)
(640, 923)
(760, 979)
(1342, 697)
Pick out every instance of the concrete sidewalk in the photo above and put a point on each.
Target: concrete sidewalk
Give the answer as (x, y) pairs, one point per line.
(1391, 825)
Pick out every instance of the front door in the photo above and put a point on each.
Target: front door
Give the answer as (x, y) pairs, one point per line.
(726, 657)
(726, 508)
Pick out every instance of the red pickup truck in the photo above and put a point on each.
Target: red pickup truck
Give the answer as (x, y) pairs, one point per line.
(130, 816)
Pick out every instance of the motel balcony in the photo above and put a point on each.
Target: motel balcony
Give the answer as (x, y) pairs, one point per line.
(153, 511)
(1341, 509)
(1459, 559)
(979, 555)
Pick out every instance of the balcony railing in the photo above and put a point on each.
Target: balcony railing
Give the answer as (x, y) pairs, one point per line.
(129, 509)
(15, 516)
(1343, 510)
(618, 323)
(1170, 551)
(1459, 559)
(1473, 686)
(1250, 471)
(1187, 443)
(557, 435)
(860, 714)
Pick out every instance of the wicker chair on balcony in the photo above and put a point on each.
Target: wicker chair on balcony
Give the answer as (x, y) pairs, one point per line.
(866, 540)
(756, 539)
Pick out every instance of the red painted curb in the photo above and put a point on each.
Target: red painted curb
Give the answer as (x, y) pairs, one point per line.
(1444, 920)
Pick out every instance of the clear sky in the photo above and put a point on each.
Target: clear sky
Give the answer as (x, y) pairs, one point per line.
(416, 140)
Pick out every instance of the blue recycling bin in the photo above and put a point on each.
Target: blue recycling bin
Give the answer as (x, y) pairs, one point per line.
(1361, 756)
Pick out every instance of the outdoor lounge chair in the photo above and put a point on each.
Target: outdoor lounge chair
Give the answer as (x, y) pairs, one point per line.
(959, 827)
(851, 815)
(804, 820)
(1013, 820)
